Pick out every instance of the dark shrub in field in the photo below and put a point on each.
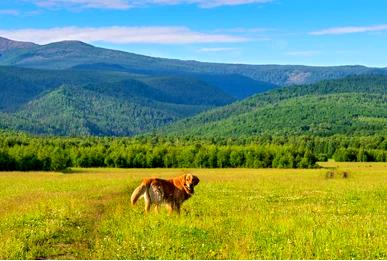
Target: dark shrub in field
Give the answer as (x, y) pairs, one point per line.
(337, 173)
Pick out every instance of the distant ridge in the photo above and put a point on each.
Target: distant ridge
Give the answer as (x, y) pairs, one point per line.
(74, 88)
(89, 102)
(7, 44)
(353, 105)
(75, 54)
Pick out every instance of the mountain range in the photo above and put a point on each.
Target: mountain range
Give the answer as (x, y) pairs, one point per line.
(355, 105)
(76, 54)
(73, 88)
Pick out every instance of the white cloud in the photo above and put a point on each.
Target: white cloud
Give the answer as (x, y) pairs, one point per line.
(217, 49)
(350, 29)
(244, 30)
(120, 35)
(255, 34)
(216, 3)
(103, 4)
(9, 12)
(126, 4)
(307, 53)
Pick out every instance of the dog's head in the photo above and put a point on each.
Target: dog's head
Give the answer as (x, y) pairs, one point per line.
(190, 181)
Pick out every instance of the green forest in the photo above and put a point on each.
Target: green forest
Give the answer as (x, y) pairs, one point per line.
(24, 152)
(353, 105)
(82, 102)
(68, 108)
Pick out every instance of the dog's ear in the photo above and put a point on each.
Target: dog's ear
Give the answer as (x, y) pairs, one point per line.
(188, 177)
(195, 180)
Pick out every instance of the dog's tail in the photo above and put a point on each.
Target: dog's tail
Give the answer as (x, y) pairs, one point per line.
(138, 192)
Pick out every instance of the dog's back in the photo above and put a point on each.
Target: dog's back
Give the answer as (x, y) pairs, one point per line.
(172, 192)
(154, 188)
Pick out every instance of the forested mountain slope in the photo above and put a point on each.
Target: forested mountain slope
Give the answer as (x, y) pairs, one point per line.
(75, 54)
(354, 105)
(72, 102)
(111, 92)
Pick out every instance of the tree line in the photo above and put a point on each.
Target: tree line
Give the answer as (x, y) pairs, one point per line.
(23, 152)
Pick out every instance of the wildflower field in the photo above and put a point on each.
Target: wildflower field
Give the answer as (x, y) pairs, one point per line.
(234, 214)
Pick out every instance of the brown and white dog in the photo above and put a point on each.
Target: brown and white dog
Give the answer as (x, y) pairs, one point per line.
(172, 192)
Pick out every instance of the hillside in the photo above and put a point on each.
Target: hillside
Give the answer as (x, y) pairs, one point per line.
(9, 45)
(75, 54)
(86, 102)
(68, 88)
(76, 111)
(354, 105)
(20, 85)
(70, 111)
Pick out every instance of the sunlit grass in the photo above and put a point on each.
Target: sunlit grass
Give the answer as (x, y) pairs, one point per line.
(235, 214)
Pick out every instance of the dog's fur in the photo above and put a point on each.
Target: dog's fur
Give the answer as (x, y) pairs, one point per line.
(172, 192)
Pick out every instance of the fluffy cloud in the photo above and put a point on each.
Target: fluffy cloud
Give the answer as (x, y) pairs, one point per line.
(120, 35)
(111, 4)
(126, 4)
(307, 53)
(9, 12)
(216, 3)
(350, 29)
(217, 49)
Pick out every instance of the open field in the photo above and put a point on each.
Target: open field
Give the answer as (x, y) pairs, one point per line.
(235, 214)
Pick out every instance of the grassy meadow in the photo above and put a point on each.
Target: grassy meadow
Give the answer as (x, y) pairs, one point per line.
(234, 214)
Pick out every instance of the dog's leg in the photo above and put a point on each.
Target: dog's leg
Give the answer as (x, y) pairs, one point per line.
(173, 207)
(148, 202)
(177, 209)
(157, 208)
(169, 208)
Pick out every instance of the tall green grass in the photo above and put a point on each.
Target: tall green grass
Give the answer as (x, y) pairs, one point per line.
(234, 214)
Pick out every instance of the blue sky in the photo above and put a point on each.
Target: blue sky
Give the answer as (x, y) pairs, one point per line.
(310, 32)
